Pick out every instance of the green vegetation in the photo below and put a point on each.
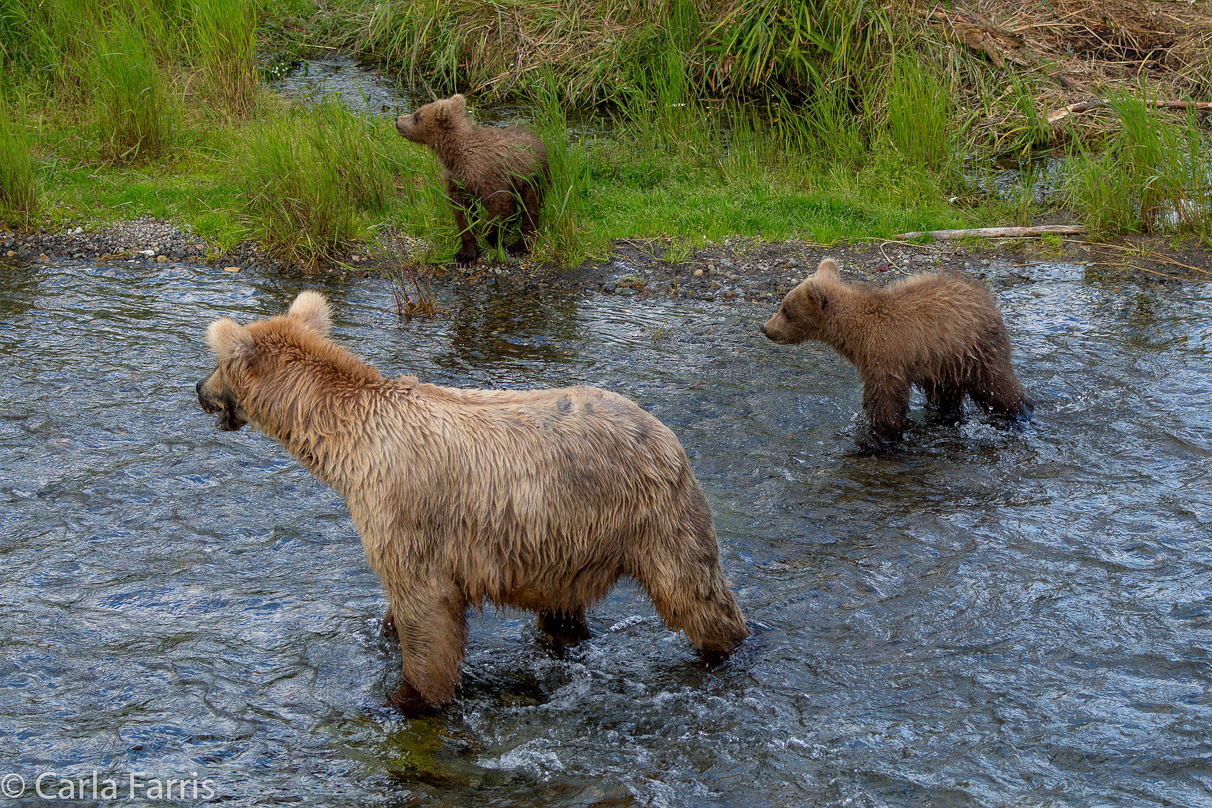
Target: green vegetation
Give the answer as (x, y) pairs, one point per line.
(813, 119)
(1153, 175)
(18, 182)
(132, 106)
(225, 54)
(317, 179)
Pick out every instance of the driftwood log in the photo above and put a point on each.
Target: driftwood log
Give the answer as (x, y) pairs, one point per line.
(1094, 103)
(999, 232)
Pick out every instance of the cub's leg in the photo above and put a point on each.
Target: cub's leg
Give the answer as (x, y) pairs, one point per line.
(461, 204)
(886, 402)
(531, 201)
(945, 399)
(997, 390)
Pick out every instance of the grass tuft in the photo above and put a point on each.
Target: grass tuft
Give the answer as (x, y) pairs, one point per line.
(315, 179)
(18, 182)
(224, 33)
(133, 109)
(1152, 176)
(564, 229)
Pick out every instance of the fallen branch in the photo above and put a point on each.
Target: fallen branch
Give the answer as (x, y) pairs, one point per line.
(999, 232)
(1094, 103)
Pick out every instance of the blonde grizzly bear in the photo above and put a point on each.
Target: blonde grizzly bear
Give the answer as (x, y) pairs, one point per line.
(538, 500)
(498, 170)
(940, 332)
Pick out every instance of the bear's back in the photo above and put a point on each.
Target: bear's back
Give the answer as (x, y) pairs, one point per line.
(927, 318)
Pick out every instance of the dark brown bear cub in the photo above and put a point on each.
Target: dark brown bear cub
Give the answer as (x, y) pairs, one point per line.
(940, 332)
(502, 171)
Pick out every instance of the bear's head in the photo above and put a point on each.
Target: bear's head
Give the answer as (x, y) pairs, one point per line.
(805, 309)
(243, 354)
(428, 124)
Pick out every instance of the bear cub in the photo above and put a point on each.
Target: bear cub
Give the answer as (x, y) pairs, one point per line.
(940, 332)
(501, 171)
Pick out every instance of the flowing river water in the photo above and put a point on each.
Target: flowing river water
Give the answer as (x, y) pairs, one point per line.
(984, 616)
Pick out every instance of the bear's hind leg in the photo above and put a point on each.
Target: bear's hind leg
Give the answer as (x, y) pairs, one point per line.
(690, 593)
(999, 391)
(531, 202)
(564, 628)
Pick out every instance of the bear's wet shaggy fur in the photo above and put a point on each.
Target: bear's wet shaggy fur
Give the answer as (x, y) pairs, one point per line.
(539, 500)
(502, 171)
(942, 333)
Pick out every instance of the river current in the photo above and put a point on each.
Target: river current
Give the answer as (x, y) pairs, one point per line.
(983, 616)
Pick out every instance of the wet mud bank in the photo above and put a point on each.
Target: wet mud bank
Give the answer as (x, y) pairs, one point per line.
(734, 271)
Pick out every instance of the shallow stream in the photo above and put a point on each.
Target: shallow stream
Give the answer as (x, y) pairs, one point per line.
(985, 616)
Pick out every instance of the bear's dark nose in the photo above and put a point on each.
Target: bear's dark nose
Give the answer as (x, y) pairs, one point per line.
(763, 332)
(198, 386)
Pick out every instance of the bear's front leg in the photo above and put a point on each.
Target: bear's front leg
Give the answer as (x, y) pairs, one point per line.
(886, 402)
(431, 625)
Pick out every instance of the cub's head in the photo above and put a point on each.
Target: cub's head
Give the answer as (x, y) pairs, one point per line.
(245, 353)
(431, 121)
(805, 308)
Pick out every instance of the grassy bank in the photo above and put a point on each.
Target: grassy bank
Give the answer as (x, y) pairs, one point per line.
(821, 121)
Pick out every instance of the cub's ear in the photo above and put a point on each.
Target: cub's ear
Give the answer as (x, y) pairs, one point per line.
(456, 104)
(312, 310)
(828, 268)
(228, 339)
(816, 294)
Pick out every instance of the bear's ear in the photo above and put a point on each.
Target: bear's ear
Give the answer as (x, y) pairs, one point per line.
(228, 339)
(816, 294)
(456, 105)
(828, 269)
(311, 309)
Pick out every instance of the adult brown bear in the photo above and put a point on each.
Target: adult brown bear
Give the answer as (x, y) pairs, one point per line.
(501, 171)
(537, 499)
(940, 332)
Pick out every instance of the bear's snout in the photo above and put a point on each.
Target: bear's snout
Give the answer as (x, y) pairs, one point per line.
(775, 331)
(222, 405)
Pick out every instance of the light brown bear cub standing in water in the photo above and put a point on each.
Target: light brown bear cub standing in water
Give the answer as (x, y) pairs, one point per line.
(497, 169)
(940, 332)
(538, 499)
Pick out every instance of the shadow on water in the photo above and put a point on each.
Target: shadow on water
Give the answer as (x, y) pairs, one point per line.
(986, 615)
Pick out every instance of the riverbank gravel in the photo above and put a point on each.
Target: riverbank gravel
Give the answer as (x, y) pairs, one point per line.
(742, 270)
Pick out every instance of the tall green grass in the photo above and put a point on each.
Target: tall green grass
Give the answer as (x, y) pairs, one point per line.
(1153, 175)
(224, 37)
(134, 113)
(919, 113)
(796, 45)
(19, 183)
(316, 181)
(566, 234)
(601, 51)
